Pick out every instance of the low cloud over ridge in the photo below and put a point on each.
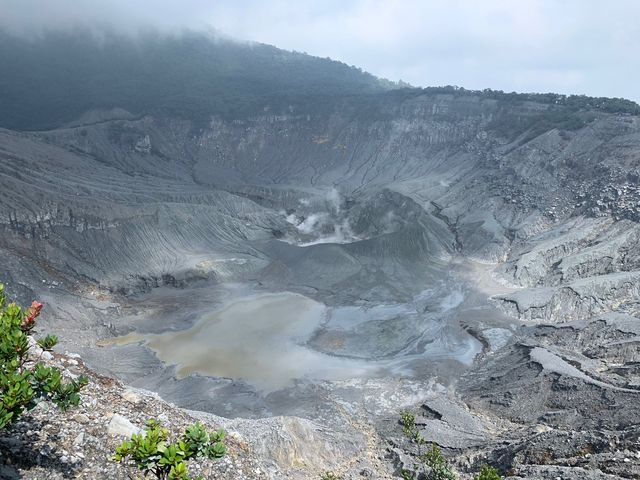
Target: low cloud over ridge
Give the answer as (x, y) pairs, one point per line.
(571, 46)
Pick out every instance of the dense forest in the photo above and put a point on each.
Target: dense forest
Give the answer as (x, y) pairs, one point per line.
(53, 79)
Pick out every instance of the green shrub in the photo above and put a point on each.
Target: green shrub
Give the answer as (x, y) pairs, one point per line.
(437, 465)
(431, 461)
(329, 476)
(488, 473)
(151, 452)
(408, 475)
(24, 383)
(48, 342)
(411, 430)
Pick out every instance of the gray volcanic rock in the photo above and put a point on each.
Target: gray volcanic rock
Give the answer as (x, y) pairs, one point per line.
(578, 384)
(580, 299)
(383, 215)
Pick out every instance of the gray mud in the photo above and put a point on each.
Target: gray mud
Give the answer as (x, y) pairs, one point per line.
(273, 346)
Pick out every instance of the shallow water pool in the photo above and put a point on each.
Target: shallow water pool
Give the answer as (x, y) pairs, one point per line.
(272, 340)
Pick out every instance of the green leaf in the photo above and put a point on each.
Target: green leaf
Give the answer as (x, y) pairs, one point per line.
(217, 450)
(48, 342)
(151, 452)
(488, 473)
(178, 472)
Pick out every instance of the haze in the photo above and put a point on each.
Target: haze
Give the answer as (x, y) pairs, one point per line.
(572, 46)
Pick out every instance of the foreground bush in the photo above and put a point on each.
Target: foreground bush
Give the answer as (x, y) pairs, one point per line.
(329, 476)
(432, 462)
(151, 453)
(488, 473)
(24, 383)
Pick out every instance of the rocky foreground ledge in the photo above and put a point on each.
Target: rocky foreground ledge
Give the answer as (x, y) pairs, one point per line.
(79, 443)
(49, 444)
(535, 408)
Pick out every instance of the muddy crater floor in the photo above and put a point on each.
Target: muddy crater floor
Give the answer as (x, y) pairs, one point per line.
(425, 258)
(265, 353)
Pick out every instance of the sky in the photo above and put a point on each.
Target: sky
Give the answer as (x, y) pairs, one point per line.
(587, 47)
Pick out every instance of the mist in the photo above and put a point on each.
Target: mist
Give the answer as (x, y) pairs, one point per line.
(572, 47)
(33, 17)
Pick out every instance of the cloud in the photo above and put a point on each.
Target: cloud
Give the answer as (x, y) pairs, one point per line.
(33, 16)
(567, 46)
(570, 46)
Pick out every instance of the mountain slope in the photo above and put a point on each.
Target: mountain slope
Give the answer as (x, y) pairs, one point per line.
(53, 79)
(431, 223)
